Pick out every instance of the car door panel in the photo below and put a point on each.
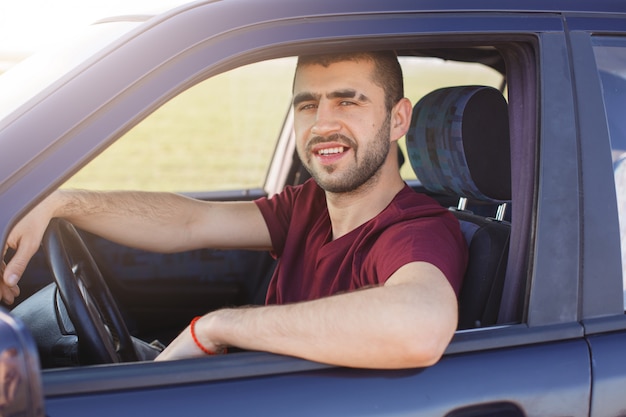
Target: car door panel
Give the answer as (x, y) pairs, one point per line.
(609, 374)
(466, 384)
(597, 48)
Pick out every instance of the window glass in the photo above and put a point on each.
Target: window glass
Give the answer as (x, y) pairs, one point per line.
(610, 56)
(424, 74)
(218, 135)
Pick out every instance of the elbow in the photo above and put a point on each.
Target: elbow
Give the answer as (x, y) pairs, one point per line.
(424, 353)
(423, 349)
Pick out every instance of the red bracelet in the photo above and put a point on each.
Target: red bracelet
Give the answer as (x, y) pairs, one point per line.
(195, 339)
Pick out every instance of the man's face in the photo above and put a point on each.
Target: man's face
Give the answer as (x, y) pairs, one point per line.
(341, 124)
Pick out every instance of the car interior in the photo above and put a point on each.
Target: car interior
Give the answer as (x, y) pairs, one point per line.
(90, 301)
(452, 130)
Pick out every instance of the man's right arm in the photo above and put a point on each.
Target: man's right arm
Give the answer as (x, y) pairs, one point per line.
(160, 222)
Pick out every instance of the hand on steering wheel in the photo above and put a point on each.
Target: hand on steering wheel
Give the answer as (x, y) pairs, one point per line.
(102, 334)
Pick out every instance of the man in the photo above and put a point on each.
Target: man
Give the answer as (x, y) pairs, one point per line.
(367, 269)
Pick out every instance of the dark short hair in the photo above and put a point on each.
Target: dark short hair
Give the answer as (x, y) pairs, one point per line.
(387, 70)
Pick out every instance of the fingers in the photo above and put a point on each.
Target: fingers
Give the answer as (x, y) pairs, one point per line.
(14, 270)
(9, 294)
(25, 238)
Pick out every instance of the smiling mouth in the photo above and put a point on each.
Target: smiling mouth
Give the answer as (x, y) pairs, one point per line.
(331, 151)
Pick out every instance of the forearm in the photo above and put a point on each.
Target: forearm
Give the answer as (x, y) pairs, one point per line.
(160, 222)
(321, 331)
(164, 222)
(150, 221)
(399, 326)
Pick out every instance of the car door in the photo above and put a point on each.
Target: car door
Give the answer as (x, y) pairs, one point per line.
(535, 362)
(599, 56)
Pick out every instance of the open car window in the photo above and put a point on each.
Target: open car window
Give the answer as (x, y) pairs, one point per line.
(225, 134)
(219, 135)
(213, 138)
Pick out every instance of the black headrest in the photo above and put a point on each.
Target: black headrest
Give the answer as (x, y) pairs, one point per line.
(458, 143)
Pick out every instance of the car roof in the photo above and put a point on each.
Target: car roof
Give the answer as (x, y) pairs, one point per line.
(391, 6)
(322, 7)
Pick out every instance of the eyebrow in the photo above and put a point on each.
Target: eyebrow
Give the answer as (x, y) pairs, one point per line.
(348, 93)
(302, 97)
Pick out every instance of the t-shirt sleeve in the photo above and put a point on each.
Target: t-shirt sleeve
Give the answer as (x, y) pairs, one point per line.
(436, 240)
(277, 212)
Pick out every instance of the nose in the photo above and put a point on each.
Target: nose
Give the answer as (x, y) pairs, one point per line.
(326, 122)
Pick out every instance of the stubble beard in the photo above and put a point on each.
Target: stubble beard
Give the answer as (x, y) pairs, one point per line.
(361, 173)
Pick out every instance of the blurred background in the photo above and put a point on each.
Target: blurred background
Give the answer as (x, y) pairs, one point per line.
(29, 25)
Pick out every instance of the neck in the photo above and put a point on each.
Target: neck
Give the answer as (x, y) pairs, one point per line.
(348, 211)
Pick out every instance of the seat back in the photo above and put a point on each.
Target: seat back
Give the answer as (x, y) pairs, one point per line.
(456, 143)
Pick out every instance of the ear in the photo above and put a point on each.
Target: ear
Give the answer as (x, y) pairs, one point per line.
(400, 119)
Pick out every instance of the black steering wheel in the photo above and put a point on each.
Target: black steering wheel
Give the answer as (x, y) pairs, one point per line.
(102, 334)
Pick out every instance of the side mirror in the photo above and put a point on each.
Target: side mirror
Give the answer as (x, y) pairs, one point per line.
(21, 392)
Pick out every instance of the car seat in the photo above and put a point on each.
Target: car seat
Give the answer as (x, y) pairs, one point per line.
(458, 145)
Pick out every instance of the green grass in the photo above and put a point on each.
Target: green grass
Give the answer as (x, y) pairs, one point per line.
(221, 134)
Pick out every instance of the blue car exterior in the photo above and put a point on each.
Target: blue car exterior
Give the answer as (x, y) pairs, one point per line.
(560, 351)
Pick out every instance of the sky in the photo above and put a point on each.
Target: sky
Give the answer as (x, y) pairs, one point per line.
(28, 25)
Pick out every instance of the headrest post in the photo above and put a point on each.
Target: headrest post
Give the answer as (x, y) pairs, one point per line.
(462, 204)
(501, 212)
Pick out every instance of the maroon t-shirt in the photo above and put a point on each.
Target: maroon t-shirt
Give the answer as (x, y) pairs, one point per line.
(311, 265)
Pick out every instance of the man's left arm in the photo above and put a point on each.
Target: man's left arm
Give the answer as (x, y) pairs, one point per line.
(406, 323)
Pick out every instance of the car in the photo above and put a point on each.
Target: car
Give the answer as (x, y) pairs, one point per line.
(518, 102)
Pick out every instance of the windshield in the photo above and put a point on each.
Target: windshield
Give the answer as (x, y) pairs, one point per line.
(35, 74)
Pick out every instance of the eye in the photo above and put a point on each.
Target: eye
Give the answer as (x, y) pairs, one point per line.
(346, 103)
(307, 106)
